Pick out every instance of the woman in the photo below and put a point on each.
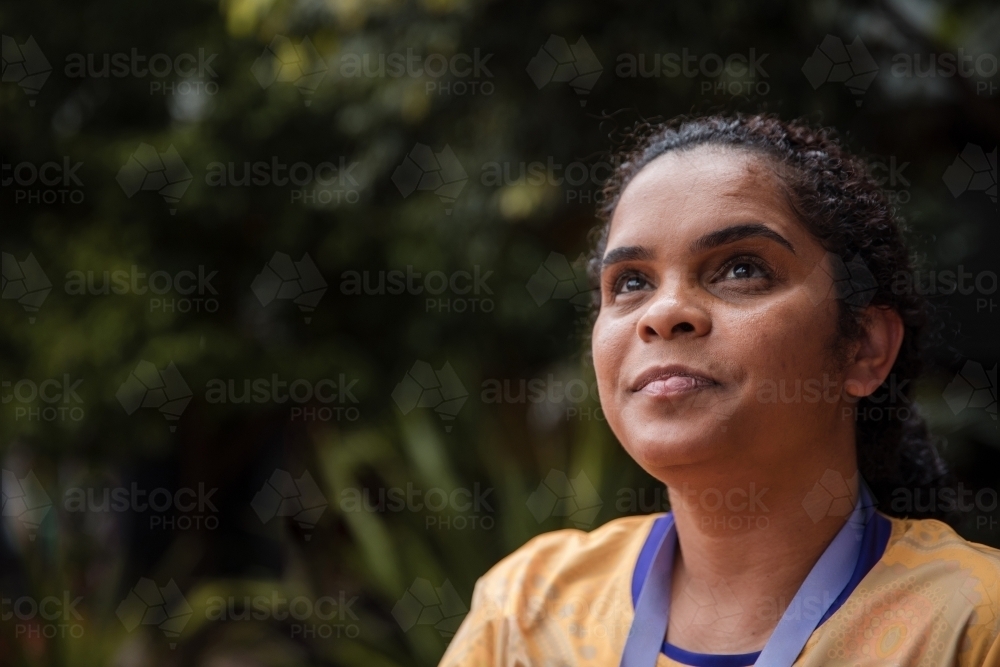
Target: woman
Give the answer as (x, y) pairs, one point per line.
(746, 325)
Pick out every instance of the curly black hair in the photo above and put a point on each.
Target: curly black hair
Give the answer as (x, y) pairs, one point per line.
(833, 194)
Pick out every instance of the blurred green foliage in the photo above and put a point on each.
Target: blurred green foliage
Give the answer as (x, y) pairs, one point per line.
(230, 112)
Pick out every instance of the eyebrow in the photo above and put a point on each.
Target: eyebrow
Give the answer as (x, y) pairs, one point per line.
(738, 233)
(629, 253)
(635, 253)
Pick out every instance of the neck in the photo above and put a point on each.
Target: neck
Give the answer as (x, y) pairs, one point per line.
(746, 544)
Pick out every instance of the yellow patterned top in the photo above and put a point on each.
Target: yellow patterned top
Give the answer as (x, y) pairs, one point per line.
(565, 598)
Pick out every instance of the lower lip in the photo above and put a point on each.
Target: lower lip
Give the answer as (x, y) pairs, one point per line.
(675, 386)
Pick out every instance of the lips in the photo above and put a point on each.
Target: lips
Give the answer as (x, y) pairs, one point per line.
(668, 381)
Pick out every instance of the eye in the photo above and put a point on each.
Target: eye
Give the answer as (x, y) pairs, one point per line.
(630, 282)
(744, 268)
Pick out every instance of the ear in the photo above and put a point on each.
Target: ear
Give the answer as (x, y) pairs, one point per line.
(876, 352)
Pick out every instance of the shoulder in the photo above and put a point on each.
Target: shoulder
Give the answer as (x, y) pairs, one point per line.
(927, 541)
(562, 593)
(569, 559)
(931, 570)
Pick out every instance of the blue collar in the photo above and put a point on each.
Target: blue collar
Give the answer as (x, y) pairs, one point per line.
(873, 543)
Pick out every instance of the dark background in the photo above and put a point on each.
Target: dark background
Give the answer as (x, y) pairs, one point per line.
(913, 125)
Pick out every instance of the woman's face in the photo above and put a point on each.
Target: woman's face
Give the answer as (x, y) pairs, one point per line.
(715, 307)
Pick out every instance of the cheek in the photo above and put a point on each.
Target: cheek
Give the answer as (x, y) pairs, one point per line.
(785, 339)
(609, 345)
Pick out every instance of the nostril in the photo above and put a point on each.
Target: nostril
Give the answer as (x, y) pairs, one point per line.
(683, 327)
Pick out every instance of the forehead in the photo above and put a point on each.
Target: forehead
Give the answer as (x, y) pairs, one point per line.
(685, 194)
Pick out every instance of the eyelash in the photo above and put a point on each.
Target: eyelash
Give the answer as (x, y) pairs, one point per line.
(620, 280)
(756, 262)
(617, 287)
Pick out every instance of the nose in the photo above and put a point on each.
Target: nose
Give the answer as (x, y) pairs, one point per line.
(675, 310)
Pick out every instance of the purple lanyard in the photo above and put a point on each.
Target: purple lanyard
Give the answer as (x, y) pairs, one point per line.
(824, 583)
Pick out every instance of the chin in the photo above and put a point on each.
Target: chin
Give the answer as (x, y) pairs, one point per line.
(661, 443)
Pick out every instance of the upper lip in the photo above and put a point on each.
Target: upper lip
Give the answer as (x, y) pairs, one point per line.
(663, 372)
